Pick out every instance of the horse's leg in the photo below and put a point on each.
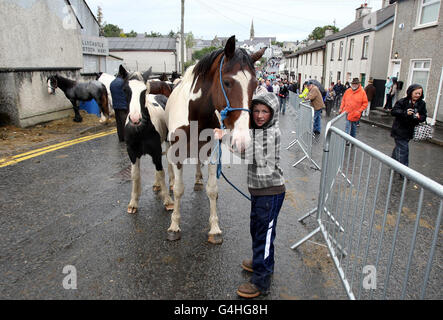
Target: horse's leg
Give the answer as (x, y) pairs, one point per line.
(161, 180)
(174, 228)
(215, 234)
(104, 106)
(170, 169)
(198, 186)
(136, 187)
(77, 117)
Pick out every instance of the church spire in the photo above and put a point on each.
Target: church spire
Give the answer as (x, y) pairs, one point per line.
(252, 30)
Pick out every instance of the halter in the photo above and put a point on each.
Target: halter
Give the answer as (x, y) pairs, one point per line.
(224, 115)
(228, 108)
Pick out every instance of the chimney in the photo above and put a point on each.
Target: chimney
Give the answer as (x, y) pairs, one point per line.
(328, 32)
(362, 11)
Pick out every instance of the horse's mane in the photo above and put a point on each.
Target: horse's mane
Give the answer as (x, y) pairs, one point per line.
(64, 82)
(240, 56)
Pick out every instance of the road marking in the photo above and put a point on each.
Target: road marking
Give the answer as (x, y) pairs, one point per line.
(38, 152)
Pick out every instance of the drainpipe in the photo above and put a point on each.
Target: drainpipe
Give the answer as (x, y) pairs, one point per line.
(437, 101)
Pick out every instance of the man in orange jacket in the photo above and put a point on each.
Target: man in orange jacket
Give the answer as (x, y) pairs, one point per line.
(354, 102)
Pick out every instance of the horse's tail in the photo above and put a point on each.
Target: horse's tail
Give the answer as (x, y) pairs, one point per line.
(104, 101)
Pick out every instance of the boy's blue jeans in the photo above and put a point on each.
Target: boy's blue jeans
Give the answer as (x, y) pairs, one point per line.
(264, 214)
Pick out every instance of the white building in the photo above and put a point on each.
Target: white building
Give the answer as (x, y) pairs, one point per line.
(361, 49)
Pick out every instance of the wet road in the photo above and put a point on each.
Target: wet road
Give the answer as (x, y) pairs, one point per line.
(68, 207)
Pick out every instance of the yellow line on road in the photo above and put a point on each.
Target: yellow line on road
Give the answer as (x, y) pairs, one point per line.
(38, 152)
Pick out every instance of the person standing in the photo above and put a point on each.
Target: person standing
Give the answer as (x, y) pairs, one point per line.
(408, 113)
(370, 93)
(269, 86)
(339, 90)
(305, 91)
(283, 96)
(120, 105)
(276, 88)
(317, 103)
(393, 93)
(354, 102)
(267, 188)
(388, 85)
(329, 101)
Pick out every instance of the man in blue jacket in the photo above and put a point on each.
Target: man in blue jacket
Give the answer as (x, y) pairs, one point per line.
(120, 105)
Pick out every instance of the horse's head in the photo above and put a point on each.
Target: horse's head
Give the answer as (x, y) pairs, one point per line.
(52, 84)
(135, 87)
(232, 83)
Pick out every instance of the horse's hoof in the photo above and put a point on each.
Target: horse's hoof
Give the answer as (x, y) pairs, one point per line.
(156, 189)
(174, 236)
(132, 210)
(78, 119)
(169, 207)
(198, 187)
(215, 238)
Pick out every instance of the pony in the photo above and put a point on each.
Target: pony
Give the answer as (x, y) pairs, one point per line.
(145, 132)
(199, 98)
(81, 91)
(107, 79)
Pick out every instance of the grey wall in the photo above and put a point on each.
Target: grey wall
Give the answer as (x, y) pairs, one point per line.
(38, 34)
(380, 57)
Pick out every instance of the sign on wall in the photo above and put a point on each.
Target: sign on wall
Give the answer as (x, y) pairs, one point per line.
(95, 46)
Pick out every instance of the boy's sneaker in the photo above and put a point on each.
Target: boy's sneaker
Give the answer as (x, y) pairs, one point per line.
(247, 265)
(248, 290)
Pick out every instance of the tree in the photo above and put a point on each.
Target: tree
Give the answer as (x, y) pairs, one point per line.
(153, 35)
(172, 34)
(100, 20)
(111, 30)
(319, 32)
(131, 34)
(277, 43)
(197, 55)
(190, 41)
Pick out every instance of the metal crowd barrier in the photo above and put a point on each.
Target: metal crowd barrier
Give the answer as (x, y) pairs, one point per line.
(380, 220)
(304, 123)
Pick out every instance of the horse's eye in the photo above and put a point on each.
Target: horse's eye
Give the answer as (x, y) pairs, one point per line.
(227, 84)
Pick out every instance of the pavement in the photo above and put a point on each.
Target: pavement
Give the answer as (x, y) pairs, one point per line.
(383, 119)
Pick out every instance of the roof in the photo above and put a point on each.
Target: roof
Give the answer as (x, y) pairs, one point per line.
(318, 45)
(141, 44)
(382, 16)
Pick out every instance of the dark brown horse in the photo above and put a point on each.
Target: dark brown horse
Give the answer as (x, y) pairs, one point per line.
(194, 107)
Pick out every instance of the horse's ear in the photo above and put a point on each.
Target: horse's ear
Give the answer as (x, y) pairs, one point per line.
(230, 47)
(147, 74)
(257, 55)
(122, 73)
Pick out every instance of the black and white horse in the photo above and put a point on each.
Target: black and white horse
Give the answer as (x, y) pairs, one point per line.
(81, 91)
(145, 132)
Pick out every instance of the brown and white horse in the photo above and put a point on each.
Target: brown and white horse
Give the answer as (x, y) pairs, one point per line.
(199, 99)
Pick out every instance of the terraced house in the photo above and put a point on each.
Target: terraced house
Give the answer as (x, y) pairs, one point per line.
(415, 55)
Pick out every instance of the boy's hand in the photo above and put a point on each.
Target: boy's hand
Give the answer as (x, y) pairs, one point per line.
(219, 133)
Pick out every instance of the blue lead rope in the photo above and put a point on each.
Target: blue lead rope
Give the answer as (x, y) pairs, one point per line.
(224, 114)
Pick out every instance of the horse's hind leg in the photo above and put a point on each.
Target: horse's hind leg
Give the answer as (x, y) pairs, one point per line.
(136, 187)
(198, 186)
(160, 179)
(77, 117)
(215, 234)
(104, 106)
(174, 228)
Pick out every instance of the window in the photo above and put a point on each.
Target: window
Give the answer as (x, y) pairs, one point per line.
(316, 58)
(310, 59)
(351, 49)
(340, 52)
(306, 59)
(428, 11)
(364, 54)
(332, 51)
(338, 75)
(420, 73)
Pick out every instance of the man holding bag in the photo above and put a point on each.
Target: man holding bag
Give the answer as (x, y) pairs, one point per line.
(354, 102)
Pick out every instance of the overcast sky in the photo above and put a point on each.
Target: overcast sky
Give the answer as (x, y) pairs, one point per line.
(288, 20)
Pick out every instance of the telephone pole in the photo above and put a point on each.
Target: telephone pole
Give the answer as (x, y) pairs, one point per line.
(182, 42)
